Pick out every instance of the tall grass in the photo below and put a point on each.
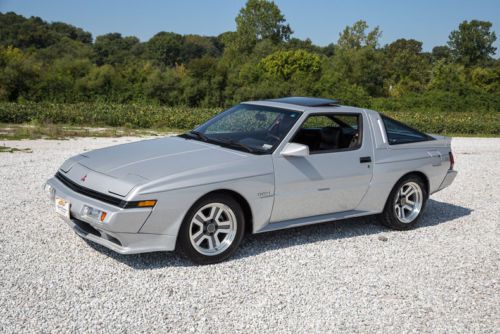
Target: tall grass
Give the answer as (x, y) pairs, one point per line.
(151, 116)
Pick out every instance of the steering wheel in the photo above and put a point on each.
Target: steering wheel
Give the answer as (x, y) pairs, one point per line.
(270, 135)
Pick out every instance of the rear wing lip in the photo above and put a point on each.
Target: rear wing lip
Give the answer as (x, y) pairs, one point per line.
(443, 140)
(438, 137)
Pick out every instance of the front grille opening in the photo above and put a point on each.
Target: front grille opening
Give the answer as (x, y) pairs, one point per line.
(86, 227)
(110, 238)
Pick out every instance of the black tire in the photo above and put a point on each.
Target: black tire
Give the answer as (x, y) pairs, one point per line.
(389, 217)
(185, 245)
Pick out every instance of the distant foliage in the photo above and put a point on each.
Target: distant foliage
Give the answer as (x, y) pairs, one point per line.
(285, 64)
(57, 63)
(356, 37)
(472, 43)
(427, 118)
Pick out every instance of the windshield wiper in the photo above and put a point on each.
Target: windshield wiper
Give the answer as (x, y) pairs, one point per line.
(233, 143)
(223, 141)
(198, 134)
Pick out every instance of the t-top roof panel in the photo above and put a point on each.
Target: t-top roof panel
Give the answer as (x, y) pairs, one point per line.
(307, 101)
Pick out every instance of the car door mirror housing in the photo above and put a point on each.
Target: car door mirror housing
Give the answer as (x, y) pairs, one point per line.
(295, 150)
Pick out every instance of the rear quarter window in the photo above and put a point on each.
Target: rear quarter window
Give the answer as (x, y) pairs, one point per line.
(399, 133)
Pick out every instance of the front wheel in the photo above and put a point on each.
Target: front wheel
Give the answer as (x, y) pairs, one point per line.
(405, 204)
(212, 229)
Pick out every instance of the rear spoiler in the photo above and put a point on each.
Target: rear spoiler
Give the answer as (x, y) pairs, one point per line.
(441, 140)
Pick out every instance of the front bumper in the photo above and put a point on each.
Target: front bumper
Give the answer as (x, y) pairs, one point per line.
(120, 230)
(448, 179)
(123, 243)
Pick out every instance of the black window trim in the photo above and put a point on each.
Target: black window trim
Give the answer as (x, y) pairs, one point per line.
(360, 131)
(428, 138)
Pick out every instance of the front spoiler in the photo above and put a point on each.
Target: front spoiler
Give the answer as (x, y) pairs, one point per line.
(124, 243)
(120, 230)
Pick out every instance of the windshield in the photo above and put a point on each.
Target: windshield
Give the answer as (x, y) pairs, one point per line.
(246, 127)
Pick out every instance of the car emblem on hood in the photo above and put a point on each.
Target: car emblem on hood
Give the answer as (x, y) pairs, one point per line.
(83, 178)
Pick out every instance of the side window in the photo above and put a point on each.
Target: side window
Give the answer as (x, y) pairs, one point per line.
(398, 133)
(318, 122)
(330, 132)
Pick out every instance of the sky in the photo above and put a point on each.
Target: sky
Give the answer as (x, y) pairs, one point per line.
(429, 21)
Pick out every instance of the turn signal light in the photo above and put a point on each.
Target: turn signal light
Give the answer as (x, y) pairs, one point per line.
(103, 216)
(146, 204)
(140, 204)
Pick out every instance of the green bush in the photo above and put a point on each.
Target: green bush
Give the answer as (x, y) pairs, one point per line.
(104, 114)
(470, 123)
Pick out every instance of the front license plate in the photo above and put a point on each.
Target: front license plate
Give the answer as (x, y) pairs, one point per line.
(62, 207)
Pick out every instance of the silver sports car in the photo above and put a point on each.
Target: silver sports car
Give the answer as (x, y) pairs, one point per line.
(259, 166)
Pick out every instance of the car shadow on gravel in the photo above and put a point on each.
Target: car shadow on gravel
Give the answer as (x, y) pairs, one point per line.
(436, 213)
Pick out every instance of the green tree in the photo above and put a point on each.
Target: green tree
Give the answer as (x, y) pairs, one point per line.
(66, 47)
(262, 19)
(72, 32)
(18, 74)
(472, 43)
(285, 64)
(486, 79)
(163, 87)
(196, 46)
(33, 32)
(258, 20)
(334, 84)
(23, 33)
(407, 70)
(440, 52)
(356, 37)
(448, 77)
(101, 83)
(361, 67)
(165, 48)
(114, 49)
(57, 82)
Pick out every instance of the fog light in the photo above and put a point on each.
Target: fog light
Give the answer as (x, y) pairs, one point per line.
(50, 191)
(93, 213)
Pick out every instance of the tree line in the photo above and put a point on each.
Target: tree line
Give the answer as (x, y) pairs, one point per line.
(58, 62)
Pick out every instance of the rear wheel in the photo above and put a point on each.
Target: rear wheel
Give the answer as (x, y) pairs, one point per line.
(405, 204)
(212, 229)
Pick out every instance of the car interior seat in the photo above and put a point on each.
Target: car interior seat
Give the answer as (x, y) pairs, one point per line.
(330, 138)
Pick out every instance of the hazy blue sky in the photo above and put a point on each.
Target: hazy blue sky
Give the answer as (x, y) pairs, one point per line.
(429, 21)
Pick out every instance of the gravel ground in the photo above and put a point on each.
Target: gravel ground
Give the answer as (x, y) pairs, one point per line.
(351, 276)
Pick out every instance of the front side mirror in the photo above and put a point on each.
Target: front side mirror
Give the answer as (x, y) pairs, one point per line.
(295, 150)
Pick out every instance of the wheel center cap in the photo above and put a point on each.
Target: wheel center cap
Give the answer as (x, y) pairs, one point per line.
(211, 228)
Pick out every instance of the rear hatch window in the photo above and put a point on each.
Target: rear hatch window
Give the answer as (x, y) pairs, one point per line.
(399, 133)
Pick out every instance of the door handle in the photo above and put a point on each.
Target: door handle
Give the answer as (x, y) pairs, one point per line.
(365, 159)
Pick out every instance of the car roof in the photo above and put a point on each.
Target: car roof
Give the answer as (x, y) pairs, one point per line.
(306, 104)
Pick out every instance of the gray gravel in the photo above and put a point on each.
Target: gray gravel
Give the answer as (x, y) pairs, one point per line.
(351, 276)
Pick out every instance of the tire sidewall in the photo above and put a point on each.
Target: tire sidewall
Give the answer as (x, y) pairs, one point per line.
(390, 218)
(184, 245)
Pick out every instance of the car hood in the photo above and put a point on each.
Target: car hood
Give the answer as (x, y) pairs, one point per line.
(161, 164)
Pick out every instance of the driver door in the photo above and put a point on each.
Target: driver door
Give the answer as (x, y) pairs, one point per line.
(335, 175)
